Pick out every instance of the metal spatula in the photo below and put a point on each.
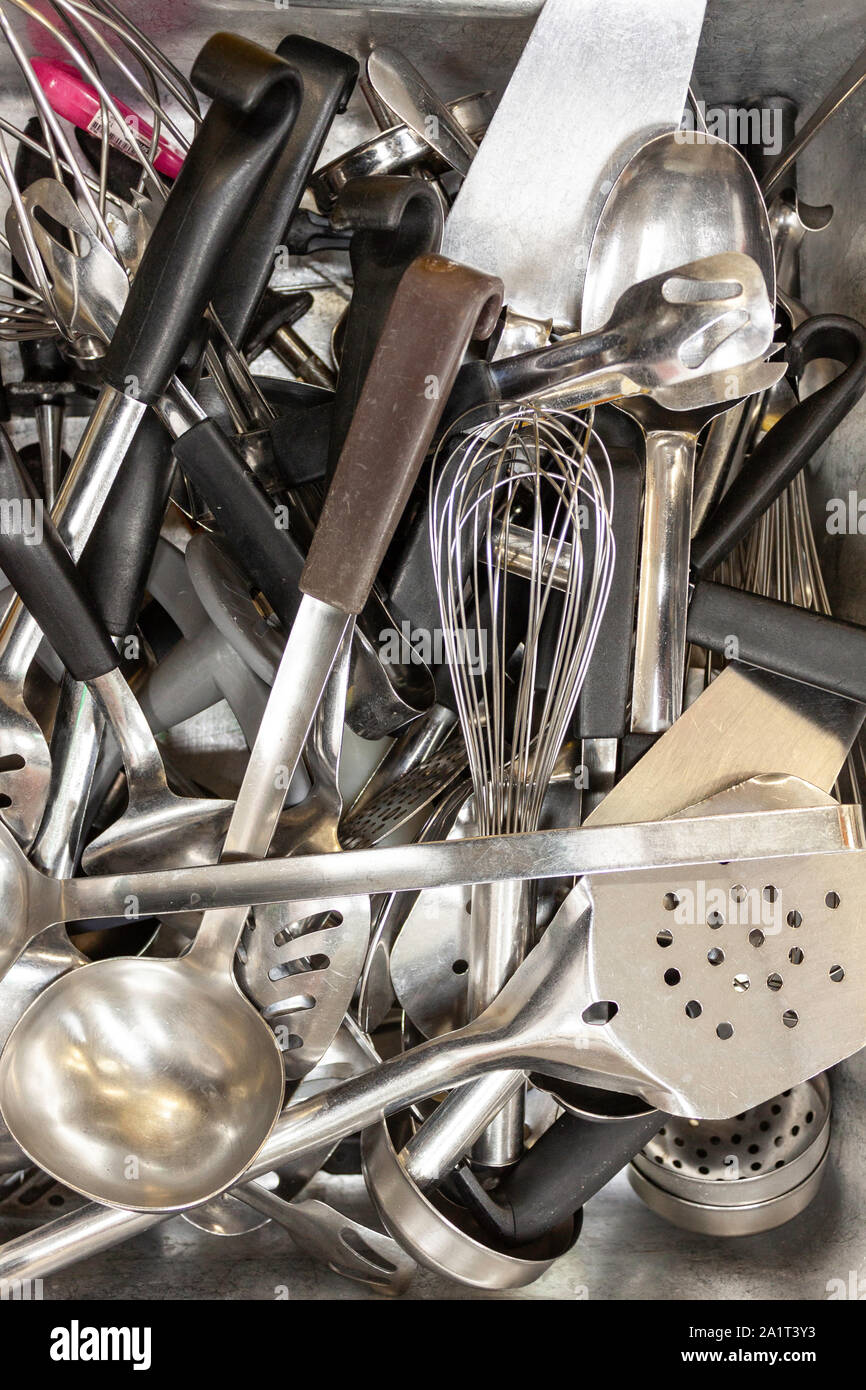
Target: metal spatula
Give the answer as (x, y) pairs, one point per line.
(592, 84)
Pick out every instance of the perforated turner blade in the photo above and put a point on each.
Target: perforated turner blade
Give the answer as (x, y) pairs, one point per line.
(392, 808)
(736, 985)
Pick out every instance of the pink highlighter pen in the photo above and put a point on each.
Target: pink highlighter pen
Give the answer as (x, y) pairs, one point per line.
(76, 101)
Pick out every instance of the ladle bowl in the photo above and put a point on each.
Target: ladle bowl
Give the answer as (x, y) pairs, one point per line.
(146, 1084)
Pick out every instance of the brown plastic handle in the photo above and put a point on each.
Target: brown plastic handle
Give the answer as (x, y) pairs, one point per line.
(438, 307)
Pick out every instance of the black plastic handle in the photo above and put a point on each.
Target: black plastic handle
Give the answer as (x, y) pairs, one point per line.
(260, 545)
(602, 710)
(393, 219)
(790, 444)
(36, 561)
(571, 1162)
(117, 558)
(275, 311)
(255, 100)
(794, 642)
(310, 232)
(301, 434)
(327, 78)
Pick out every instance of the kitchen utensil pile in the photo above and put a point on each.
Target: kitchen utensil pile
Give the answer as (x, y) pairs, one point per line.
(483, 546)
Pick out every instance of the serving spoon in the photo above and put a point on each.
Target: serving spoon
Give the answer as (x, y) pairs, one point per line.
(683, 196)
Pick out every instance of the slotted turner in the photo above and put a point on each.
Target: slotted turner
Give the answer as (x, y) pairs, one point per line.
(300, 963)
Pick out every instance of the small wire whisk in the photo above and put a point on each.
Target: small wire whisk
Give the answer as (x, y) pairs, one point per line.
(521, 598)
(509, 508)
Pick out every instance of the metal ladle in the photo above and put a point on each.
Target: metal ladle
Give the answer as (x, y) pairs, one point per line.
(180, 1079)
(682, 196)
(179, 1072)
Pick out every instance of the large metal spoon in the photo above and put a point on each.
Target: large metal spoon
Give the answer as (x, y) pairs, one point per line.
(681, 197)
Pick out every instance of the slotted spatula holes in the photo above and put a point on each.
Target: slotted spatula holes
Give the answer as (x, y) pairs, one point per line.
(701, 345)
(687, 289)
(300, 965)
(305, 925)
(355, 1242)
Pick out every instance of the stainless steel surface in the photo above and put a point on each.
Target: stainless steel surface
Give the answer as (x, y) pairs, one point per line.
(692, 325)
(660, 629)
(107, 436)
(542, 469)
(89, 285)
(501, 918)
(376, 992)
(397, 150)
(312, 825)
(454, 1126)
(299, 963)
(75, 743)
(399, 84)
(745, 49)
(746, 723)
(554, 142)
(534, 855)
(437, 1235)
(407, 777)
(94, 1227)
(542, 1018)
(345, 1246)
(157, 824)
(847, 85)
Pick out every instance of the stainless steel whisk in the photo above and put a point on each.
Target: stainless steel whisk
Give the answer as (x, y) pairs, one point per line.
(109, 52)
(509, 507)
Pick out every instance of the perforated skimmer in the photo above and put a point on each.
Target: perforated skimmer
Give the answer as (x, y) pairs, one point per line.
(743, 1175)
